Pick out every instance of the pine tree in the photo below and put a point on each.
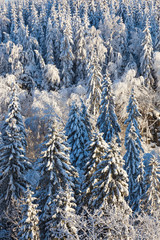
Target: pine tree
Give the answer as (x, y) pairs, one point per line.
(78, 136)
(94, 86)
(55, 194)
(110, 181)
(150, 200)
(96, 151)
(29, 224)
(146, 63)
(134, 149)
(14, 163)
(107, 121)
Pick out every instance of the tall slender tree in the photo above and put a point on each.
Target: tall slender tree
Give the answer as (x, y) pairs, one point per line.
(146, 63)
(14, 163)
(56, 196)
(110, 181)
(96, 151)
(150, 200)
(107, 121)
(66, 56)
(78, 135)
(94, 85)
(29, 224)
(134, 150)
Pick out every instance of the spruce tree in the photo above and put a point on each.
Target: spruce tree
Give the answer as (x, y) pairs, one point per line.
(49, 43)
(66, 56)
(134, 150)
(78, 135)
(80, 55)
(94, 86)
(146, 62)
(14, 163)
(55, 194)
(157, 42)
(150, 200)
(29, 224)
(110, 181)
(96, 151)
(107, 121)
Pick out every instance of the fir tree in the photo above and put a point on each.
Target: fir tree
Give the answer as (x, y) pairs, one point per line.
(67, 57)
(157, 42)
(14, 163)
(110, 181)
(49, 43)
(134, 149)
(96, 151)
(81, 55)
(150, 200)
(29, 223)
(146, 63)
(78, 136)
(107, 121)
(94, 86)
(14, 23)
(56, 197)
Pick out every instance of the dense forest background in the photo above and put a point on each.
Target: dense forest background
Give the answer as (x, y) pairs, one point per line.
(79, 119)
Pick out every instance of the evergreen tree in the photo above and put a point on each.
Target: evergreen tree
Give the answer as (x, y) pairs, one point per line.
(66, 57)
(110, 181)
(14, 23)
(107, 121)
(94, 86)
(86, 118)
(29, 223)
(78, 136)
(146, 64)
(96, 151)
(134, 149)
(55, 194)
(150, 200)
(49, 43)
(157, 43)
(81, 55)
(13, 164)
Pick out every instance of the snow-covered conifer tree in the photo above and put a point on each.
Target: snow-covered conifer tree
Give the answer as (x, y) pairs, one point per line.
(86, 118)
(157, 43)
(81, 55)
(22, 33)
(134, 149)
(14, 24)
(150, 200)
(56, 197)
(29, 224)
(66, 56)
(110, 180)
(94, 86)
(34, 22)
(49, 43)
(107, 121)
(96, 151)
(13, 162)
(146, 62)
(78, 136)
